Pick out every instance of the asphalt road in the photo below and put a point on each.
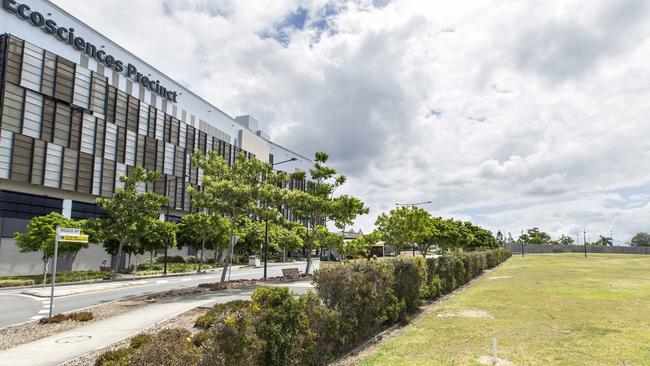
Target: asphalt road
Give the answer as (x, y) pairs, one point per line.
(16, 307)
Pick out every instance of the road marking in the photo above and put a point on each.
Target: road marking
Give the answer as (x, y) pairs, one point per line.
(36, 317)
(161, 281)
(44, 311)
(186, 279)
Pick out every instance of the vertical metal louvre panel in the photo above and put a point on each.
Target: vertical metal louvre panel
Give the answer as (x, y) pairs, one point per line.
(111, 141)
(53, 163)
(129, 154)
(32, 68)
(120, 109)
(160, 125)
(75, 129)
(160, 155)
(100, 134)
(21, 158)
(121, 145)
(82, 87)
(64, 81)
(139, 151)
(49, 72)
(33, 114)
(12, 108)
(111, 98)
(182, 134)
(143, 119)
(168, 128)
(179, 160)
(47, 125)
(85, 173)
(38, 162)
(62, 124)
(97, 175)
(150, 153)
(151, 132)
(169, 158)
(108, 177)
(98, 94)
(132, 117)
(208, 144)
(69, 176)
(14, 61)
(120, 170)
(88, 134)
(6, 144)
(174, 131)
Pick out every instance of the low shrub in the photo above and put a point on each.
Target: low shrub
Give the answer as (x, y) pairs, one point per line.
(320, 341)
(410, 276)
(232, 341)
(169, 347)
(16, 282)
(170, 259)
(118, 357)
(206, 320)
(81, 316)
(140, 340)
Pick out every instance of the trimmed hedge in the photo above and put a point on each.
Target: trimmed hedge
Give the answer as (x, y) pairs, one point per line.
(353, 301)
(16, 282)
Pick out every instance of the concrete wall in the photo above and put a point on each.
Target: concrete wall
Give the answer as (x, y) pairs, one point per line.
(13, 262)
(536, 248)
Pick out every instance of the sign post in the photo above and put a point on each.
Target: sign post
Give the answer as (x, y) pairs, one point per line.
(63, 234)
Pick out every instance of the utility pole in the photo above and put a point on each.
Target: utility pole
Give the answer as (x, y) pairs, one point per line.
(611, 236)
(522, 244)
(584, 238)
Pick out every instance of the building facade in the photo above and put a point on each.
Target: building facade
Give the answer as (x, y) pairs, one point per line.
(77, 111)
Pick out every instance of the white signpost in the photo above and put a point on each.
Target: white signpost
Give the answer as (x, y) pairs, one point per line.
(63, 234)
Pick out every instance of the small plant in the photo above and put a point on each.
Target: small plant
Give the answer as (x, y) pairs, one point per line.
(81, 316)
(207, 320)
(116, 357)
(16, 282)
(141, 339)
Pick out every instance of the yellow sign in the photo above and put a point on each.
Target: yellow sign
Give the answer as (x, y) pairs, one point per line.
(75, 238)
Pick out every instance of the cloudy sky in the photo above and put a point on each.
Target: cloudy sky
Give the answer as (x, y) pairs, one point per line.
(510, 113)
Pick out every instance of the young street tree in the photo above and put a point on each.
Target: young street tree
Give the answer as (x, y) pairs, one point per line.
(232, 190)
(39, 237)
(129, 212)
(316, 205)
(200, 228)
(641, 240)
(400, 226)
(159, 234)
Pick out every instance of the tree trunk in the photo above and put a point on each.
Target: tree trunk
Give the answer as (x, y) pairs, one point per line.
(44, 271)
(202, 249)
(311, 244)
(151, 257)
(231, 246)
(116, 266)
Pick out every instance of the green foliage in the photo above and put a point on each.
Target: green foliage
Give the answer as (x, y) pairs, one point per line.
(563, 240)
(158, 235)
(279, 317)
(641, 240)
(534, 236)
(118, 357)
(319, 341)
(206, 320)
(363, 295)
(410, 276)
(129, 213)
(233, 190)
(401, 226)
(232, 341)
(317, 205)
(169, 347)
(139, 340)
(60, 277)
(285, 237)
(603, 241)
(16, 282)
(200, 229)
(39, 237)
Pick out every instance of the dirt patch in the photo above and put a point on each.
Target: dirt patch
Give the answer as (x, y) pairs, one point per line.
(499, 277)
(466, 314)
(489, 360)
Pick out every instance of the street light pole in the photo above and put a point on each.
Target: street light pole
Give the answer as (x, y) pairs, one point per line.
(413, 205)
(266, 225)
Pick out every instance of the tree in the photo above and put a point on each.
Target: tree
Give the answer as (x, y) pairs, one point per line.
(500, 238)
(603, 241)
(641, 240)
(346, 210)
(440, 232)
(316, 206)
(129, 212)
(400, 226)
(363, 244)
(158, 235)
(200, 228)
(39, 237)
(534, 236)
(232, 190)
(287, 238)
(563, 240)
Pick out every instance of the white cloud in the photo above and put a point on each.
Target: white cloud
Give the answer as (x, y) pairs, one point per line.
(513, 114)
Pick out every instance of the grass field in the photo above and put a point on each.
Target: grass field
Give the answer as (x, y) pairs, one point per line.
(558, 309)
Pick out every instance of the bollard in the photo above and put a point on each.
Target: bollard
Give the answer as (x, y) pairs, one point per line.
(494, 351)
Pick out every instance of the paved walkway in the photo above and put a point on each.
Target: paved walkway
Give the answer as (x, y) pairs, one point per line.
(68, 345)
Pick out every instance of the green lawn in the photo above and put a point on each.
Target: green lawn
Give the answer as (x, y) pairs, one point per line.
(559, 309)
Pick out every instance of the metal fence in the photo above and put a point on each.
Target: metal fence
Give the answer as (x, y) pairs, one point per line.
(542, 249)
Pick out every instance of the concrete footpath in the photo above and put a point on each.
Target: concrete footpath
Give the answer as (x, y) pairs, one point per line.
(77, 342)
